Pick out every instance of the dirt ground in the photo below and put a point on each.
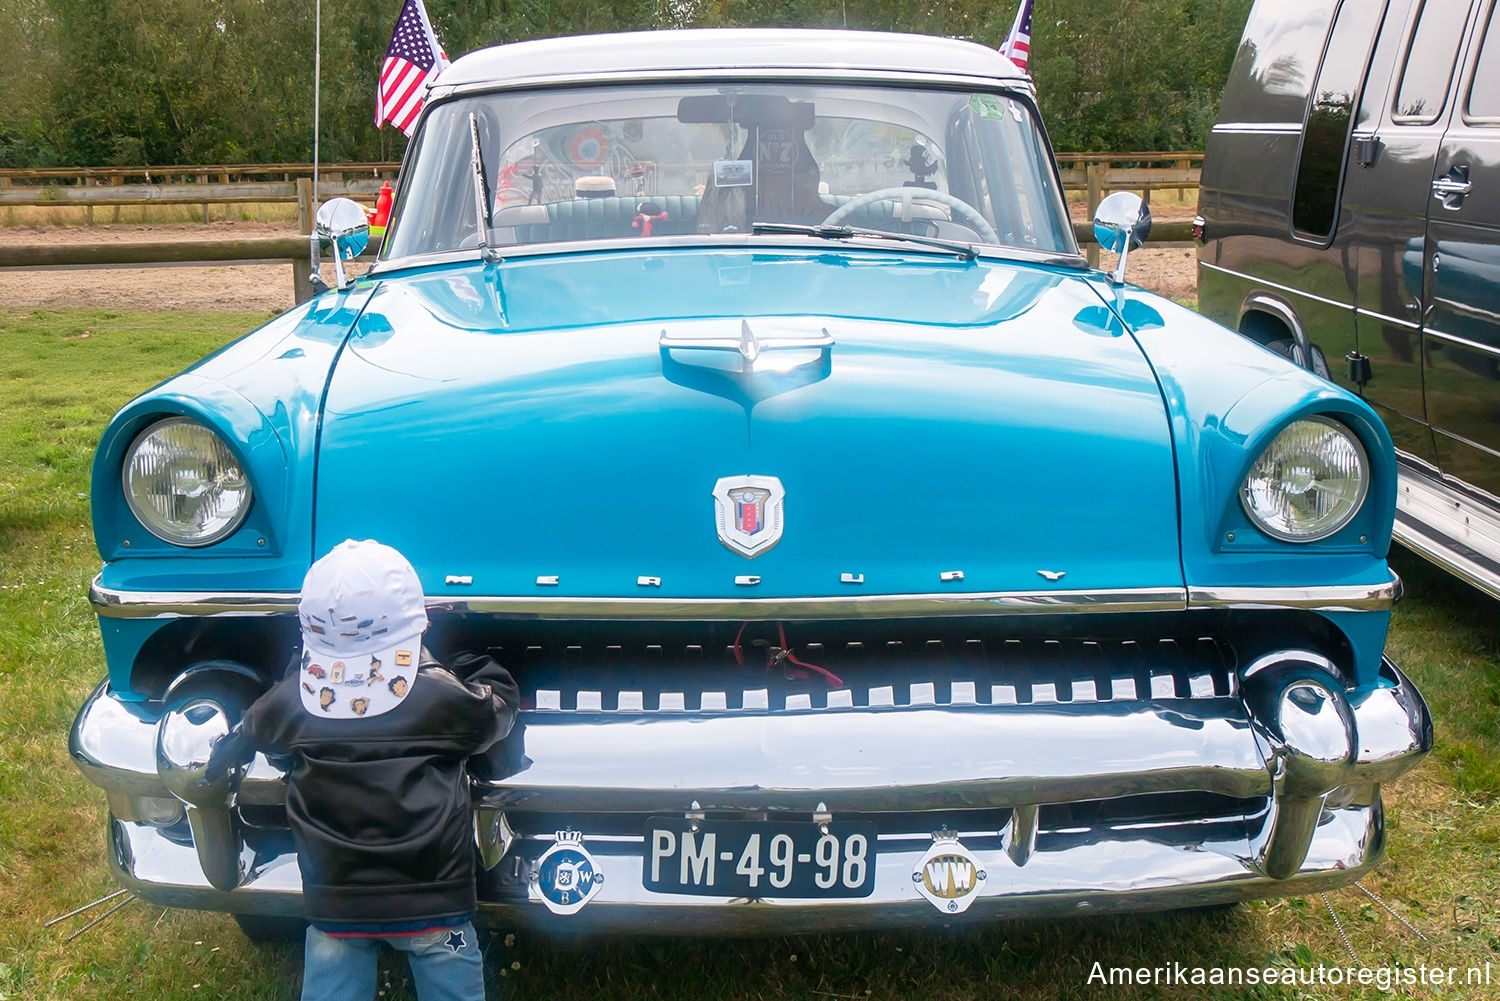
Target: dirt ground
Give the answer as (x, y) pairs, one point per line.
(268, 287)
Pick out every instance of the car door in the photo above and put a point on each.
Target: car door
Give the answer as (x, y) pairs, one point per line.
(1461, 331)
(1396, 138)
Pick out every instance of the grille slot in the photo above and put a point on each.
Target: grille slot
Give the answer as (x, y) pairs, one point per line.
(752, 676)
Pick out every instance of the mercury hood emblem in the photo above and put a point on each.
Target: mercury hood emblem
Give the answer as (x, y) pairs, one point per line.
(748, 511)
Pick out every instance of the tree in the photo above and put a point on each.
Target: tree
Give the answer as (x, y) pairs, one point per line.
(132, 82)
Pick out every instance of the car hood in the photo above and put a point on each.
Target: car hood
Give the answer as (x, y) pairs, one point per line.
(526, 422)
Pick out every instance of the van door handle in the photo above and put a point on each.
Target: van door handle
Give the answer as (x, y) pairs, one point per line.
(1452, 187)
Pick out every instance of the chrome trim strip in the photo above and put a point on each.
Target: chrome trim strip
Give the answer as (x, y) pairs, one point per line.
(1383, 318)
(1338, 598)
(1280, 288)
(1258, 128)
(112, 603)
(118, 604)
(1488, 350)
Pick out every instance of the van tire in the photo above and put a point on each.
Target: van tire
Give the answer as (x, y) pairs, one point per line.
(1319, 361)
(1313, 359)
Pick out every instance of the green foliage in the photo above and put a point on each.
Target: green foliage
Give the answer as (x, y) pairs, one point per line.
(1145, 77)
(133, 82)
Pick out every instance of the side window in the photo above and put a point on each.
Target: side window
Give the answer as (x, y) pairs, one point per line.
(1329, 112)
(1428, 69)
(1484, 89)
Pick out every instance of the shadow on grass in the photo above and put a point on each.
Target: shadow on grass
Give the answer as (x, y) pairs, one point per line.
(1024, 959)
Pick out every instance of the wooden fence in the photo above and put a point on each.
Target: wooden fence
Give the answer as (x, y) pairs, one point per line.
(91, 187)
(295, 250)
(1094, 173)
(298, 190)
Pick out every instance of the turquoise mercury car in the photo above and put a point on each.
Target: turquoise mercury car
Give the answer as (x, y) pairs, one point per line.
(863, 556)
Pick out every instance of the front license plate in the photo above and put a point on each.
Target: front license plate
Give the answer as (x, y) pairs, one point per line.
(756, 858)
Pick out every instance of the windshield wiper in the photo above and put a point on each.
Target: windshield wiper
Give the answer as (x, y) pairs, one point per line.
(964, 250)
(487, 253)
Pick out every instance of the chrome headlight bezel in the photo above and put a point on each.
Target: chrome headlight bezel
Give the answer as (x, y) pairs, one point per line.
(157, 523)
(1330, 525)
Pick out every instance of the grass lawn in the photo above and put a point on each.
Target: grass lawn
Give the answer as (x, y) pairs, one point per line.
(65, 372)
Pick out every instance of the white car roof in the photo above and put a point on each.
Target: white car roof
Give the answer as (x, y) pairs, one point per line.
(726, 51)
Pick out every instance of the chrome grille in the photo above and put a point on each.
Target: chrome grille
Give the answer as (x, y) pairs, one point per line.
(878, 673)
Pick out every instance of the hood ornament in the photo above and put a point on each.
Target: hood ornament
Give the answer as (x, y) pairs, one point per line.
(748, 511)
(751, 347)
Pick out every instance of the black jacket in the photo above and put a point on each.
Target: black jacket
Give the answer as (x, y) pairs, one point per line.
(379, 807)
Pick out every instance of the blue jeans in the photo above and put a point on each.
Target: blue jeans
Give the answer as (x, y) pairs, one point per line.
(445, 965)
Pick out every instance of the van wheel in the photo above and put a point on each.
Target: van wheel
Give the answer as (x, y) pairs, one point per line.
(1319, 364)
(1314, 360)
(269, 928)
(1288, 349)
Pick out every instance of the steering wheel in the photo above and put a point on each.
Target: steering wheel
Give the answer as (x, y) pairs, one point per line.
(961, 208)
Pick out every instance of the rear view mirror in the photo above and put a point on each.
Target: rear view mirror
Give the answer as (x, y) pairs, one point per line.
(745, 109)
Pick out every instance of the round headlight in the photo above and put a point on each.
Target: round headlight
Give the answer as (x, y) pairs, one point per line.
(1308, 483)
(184, 485)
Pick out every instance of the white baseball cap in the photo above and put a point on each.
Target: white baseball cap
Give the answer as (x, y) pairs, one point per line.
(363, 615)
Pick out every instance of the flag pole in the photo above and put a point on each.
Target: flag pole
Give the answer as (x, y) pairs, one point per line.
(317, 88)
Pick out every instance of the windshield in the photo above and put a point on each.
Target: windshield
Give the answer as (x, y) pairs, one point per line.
(622, 162)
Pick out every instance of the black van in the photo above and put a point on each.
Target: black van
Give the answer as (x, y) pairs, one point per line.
(1350, 219)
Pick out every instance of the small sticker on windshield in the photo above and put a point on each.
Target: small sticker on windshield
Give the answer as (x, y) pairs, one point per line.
(987, 105)
(734, 173)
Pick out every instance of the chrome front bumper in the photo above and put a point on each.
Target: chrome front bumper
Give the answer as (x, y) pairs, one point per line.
(1304, 755)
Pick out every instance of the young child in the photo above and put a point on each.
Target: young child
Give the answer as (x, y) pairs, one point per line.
(377, 732)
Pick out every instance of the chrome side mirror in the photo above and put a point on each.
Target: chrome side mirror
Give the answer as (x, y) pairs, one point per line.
(343, 225)
(1121, 223)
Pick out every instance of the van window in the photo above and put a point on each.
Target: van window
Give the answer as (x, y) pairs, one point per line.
(1329, 112)
(1484, 89)
(1429, 61)
(1272, 72)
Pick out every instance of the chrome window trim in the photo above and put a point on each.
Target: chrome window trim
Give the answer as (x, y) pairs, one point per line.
(1019, 87)
(720, 241)
(710, 74)
(114, 603)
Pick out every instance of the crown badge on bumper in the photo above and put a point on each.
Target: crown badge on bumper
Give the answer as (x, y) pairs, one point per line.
(566, 876)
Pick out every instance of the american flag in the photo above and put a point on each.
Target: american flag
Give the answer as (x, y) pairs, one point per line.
(413, 61)
(1017, 44)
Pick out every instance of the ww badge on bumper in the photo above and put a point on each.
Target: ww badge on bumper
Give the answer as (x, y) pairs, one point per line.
(949, 875)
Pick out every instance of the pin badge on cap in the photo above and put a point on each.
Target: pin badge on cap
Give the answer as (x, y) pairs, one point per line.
(363, 614)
